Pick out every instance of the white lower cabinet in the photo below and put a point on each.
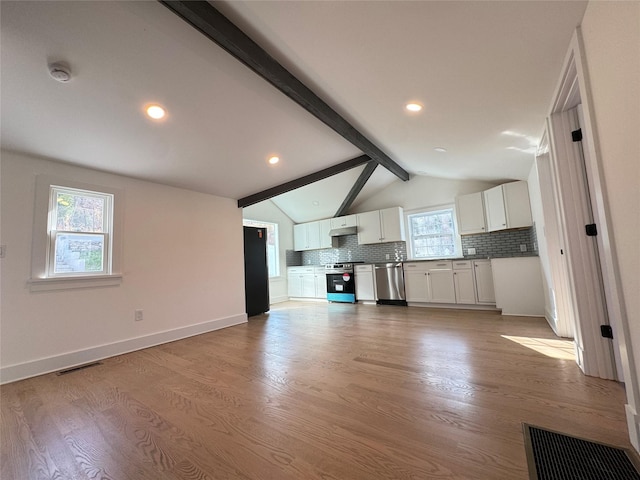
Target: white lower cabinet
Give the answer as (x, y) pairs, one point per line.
(321, 282)
(308, 285)
(441, 286)
(430, 282)
(484, 282)
(512, 277)
(416, 286)
(307, 282)
(365, 283)
(464, 282)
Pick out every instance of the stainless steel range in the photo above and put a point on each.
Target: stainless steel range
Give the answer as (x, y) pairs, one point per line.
(341, 284)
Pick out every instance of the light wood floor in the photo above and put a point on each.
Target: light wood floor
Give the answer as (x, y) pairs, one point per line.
(312, 391)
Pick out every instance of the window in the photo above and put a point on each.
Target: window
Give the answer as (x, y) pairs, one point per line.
(432, 234)
(79, 226)
(273, 256)
(77, 238)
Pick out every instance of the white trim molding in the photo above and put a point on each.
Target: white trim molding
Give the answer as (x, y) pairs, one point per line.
(13, 373)
(573, 89)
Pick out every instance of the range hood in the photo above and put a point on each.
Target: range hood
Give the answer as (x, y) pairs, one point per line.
(340, 232)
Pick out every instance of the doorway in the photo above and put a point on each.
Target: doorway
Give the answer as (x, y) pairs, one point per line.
(592, 266)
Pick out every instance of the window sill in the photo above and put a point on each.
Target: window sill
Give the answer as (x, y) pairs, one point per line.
(72, 283)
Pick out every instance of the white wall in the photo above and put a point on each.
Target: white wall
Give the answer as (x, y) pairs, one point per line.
(267, 211)
(421, 191)
(611, 33)
(183, 265)
(538, 220)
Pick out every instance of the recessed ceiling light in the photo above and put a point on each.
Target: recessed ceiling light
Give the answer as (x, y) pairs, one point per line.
(155, 111)
(413, 107)
(273, 160)
(440, 149)
(316, 203)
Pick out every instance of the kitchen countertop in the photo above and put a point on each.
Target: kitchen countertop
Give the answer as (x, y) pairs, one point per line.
(474, 257)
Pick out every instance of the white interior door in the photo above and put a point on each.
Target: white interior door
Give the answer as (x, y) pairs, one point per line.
(595, 353)
(597, 246)
(563, 318)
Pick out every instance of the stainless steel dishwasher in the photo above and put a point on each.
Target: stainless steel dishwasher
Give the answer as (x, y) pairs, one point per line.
(390, 284)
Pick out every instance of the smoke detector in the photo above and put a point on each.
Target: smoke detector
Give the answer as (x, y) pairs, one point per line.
(60, 72)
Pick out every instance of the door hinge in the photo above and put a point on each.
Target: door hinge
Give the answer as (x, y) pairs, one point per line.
(606, 331)
(591, 230)
(576, 135)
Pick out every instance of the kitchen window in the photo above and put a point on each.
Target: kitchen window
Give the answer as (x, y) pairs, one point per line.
(76, 235)
(273, 256)
(433, 234)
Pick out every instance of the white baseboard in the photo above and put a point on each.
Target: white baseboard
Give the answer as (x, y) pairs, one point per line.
(12, 373)
(456, 306)
(278, 299)
(551, 321)
(633, 422)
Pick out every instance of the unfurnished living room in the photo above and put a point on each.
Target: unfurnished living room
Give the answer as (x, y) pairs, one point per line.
(319, 240)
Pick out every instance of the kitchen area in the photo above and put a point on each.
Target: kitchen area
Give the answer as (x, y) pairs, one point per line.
(366, 258)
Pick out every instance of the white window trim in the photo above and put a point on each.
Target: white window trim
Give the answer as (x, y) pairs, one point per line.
(458, 241)
(39, 280)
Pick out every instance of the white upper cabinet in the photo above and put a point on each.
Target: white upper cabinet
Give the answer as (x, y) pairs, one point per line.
(299, 237)
(306, 236)
(517, 205)
(507, 206)
(345, 221)
(494, 209)
(381, 226)
(327, 241)
(470, 213)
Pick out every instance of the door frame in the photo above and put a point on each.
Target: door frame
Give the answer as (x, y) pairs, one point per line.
(573, 89)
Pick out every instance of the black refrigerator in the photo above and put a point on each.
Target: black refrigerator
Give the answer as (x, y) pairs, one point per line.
(256, 273)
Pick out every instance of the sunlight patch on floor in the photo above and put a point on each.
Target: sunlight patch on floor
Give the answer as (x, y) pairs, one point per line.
(551, 347)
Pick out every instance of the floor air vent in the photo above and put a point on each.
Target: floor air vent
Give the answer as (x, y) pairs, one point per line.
(555, 456)
(79, 367)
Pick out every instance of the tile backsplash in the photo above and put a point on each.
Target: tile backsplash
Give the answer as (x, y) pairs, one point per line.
(503, 243)
(506, 243)
(348, 250)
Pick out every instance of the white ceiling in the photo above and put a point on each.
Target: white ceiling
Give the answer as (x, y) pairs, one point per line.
(479, 68)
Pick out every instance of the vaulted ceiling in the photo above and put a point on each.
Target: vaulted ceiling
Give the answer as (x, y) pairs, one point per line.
(484, 72)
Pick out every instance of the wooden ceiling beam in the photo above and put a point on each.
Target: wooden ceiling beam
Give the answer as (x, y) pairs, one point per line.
(218, 28)
(302, 181)
(357, 187)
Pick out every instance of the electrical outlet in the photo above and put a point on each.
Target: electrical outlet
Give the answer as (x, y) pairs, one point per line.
(387, 256)
(471, 251)
(523, 247)
(138, 315)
